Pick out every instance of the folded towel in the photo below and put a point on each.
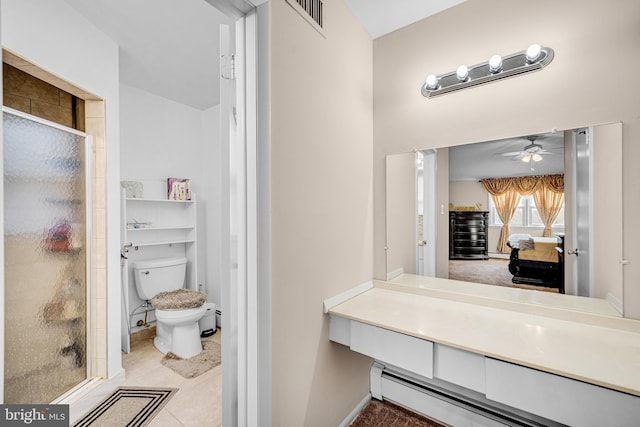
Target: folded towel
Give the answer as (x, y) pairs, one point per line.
(514, 239)
(525, 244)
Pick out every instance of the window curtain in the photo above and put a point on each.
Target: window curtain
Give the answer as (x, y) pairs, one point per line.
(506, 204)
(549, 199)
(549, 204)
(548, 195)
(506, 199)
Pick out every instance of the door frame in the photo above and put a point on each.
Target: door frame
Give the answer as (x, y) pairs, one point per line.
(246, 378)
(584, 289)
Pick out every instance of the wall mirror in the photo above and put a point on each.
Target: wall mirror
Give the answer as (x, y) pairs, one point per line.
(424, 187)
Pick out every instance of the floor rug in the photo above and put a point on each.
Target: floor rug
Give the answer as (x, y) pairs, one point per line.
(127, 406)
(384, 413)
(490, 272)
(197, 365)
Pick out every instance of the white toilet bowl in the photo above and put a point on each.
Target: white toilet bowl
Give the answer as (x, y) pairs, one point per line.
(177, 310)
(177, 331)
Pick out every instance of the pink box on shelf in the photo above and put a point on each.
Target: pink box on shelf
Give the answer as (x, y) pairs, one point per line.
(178, 189)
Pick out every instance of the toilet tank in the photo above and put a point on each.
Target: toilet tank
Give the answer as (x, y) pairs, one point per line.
(159, 275)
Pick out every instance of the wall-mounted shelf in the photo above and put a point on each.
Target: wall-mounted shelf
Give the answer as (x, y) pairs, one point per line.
(160, 243)
(165, 229)
(133, 199)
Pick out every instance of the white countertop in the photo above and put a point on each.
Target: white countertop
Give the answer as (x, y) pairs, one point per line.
(601, 350)
(540, 299)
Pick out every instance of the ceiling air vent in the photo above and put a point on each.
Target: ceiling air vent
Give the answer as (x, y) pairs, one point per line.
(312, 11)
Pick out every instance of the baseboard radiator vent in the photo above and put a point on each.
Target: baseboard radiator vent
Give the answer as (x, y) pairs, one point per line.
(447, 402)
(312, 11)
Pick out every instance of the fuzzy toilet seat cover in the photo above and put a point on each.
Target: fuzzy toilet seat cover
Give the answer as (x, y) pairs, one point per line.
(178, 300)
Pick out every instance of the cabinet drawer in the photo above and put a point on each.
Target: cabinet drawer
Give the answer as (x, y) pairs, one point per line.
(403, 351)
(558, 398)
(459, 367)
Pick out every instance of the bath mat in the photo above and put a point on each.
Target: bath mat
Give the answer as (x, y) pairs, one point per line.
(197, 365)
(378, 413)
(127, 406)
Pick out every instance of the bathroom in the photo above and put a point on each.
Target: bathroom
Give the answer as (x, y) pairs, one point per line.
(161, 135)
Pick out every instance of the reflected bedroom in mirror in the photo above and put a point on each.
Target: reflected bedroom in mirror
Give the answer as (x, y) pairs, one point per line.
(537, 212)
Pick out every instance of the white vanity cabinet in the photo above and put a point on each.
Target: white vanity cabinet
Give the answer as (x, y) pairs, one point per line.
(430, 349)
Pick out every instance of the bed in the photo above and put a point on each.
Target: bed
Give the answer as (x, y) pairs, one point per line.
(536, 261)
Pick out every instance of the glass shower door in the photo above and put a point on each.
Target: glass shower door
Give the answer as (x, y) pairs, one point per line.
(46, 230)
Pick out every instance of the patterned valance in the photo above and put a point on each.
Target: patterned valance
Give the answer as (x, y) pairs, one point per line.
(524, 185)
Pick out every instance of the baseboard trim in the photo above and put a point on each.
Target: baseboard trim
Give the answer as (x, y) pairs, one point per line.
(329, 303)
(615, 303)
(356, 411)
(395, 273)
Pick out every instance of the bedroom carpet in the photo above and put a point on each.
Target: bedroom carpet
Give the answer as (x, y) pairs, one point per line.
(491, 272)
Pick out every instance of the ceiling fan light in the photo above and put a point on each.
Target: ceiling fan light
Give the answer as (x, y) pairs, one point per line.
(526, 158)
(536, 157)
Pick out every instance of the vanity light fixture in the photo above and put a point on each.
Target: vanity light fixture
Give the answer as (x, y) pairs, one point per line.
(495, 64)
(431, 82)
(462, 73)
(534, 58)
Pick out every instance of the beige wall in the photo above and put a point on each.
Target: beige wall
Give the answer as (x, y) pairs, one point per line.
(322, 208)
(468, 193)
(607, 180)
(562, 96)
(401, 213)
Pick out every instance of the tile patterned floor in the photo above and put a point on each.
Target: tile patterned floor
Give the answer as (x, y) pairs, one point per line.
(198, 403)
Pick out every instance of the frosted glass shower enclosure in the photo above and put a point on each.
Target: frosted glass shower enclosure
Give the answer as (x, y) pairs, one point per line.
(46, 235)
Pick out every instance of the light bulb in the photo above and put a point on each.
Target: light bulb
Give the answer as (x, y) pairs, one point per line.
(495, 63)
(526, 158)
(462, 73)
(536, 157)
(533, 52)
(431, 82)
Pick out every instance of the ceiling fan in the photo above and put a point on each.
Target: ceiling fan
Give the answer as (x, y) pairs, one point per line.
(531, 153)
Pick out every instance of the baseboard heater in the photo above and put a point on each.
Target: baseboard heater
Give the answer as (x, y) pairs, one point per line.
(446, 402)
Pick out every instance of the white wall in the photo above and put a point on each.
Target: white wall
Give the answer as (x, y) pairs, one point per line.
(161, 138)
(560, 96)
(321, 208)
(50, 34)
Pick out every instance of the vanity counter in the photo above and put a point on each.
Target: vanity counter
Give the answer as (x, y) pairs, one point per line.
(543, 300)
(593, 348)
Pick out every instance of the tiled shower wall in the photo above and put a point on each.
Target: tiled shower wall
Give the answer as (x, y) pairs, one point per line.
(26, 93)
(37, 92)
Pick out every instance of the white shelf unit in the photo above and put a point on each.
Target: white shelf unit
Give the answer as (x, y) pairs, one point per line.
(152, 229)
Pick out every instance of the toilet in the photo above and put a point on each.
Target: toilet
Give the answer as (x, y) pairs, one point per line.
(177, 310)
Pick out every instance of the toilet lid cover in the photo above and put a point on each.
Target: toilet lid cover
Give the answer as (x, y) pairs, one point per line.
(178, 300)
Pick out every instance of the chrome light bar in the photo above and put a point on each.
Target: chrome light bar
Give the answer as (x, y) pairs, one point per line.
(534, 58)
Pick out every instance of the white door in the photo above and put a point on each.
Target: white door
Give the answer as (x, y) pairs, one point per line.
(238, 98)
(427, 208)
(583, 214)
(228, 262)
